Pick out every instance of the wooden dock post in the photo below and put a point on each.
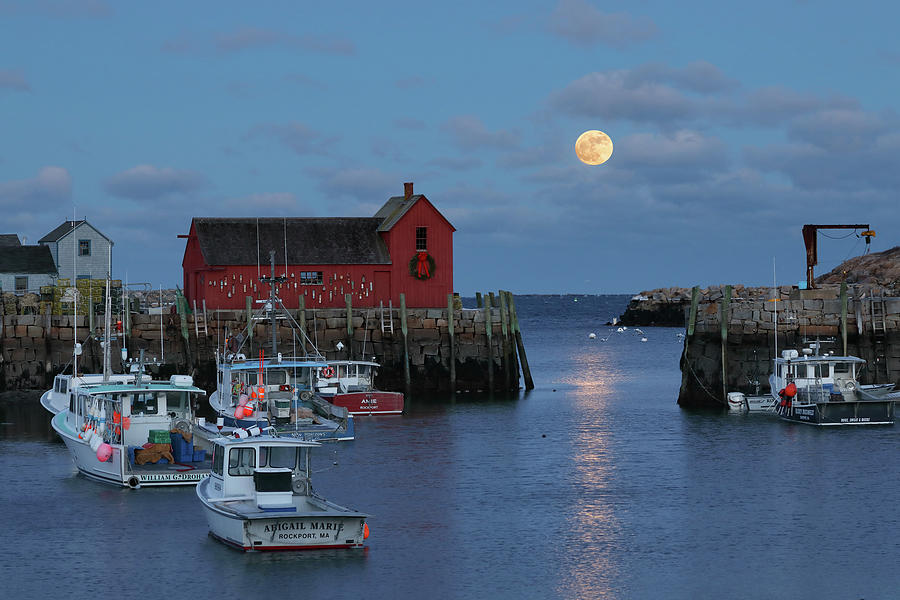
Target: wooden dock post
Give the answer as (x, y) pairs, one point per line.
(520, 345)
(477, 299)
(844, 316)
(504, 342)
(404, 330)
(692, 319)
(301, 321)
(726, 300)
(349, 300)
(488, 330)
(450, 318)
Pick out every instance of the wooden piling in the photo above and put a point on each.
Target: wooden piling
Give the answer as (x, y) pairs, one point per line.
(451, 313)
(520, 345)
(513, 353)
(724, 315)
(404, 330)
(844, 316)
(488, 330)
(478, 299)
(504, 342)
(692, 320)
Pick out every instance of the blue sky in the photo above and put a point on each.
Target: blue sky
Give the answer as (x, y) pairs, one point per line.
(733, 126)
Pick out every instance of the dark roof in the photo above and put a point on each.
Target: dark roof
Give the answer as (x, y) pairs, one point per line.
(394, 209)
(65, 228)
(60, 231)
(9, 239)
(27, 260)
(397, 206)
(310, 241)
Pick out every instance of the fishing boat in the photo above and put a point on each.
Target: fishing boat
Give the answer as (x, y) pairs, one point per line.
(258, 497)
(273, 390)
(123, 432)
(824, 390)
(821, 389)
(351, 384)
(58, 398)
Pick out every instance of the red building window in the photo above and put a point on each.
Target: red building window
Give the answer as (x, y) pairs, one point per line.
(421, 239)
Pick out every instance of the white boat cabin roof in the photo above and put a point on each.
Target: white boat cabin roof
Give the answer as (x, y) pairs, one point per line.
(366, 363)
(112, 387)
(804, 359)
(268, 363)
(263, 440)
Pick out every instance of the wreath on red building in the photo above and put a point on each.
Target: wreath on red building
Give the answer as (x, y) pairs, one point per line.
(421, 266)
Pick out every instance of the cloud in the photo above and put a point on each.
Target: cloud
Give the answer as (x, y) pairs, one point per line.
(296, 136)
(251, 38)
(408, 83)
(683, 150)
(13, 80)
(147, 182)
(409, 123)
(580, 23)
(52, 185)
(463, 163)
(624, 95)
(366, 185)
(469, 133)
(64, 9)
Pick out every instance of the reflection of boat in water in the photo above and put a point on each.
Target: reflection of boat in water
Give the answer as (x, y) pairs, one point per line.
(351, 384)
(259, 497)
(822, 390)
(273, 390)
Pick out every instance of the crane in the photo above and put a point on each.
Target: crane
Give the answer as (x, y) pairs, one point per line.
(810, 237)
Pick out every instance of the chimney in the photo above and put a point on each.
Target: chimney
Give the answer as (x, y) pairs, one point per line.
(408, 190)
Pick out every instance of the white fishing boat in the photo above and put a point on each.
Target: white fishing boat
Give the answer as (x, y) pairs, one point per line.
(58, 398)
(821, 389)
(273, 390)
(124, 432)
(259, 497)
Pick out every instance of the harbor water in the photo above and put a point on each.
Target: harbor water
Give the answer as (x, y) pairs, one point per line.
(593, 485)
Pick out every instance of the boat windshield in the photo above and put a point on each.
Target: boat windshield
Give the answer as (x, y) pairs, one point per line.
(278, 456)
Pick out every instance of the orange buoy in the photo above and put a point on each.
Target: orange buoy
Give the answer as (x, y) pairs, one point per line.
(365, 531)
(791, 390)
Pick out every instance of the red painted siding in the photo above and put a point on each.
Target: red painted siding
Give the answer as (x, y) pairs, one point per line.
(226, 286)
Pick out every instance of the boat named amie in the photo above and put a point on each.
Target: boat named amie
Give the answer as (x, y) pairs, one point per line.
(259, 497)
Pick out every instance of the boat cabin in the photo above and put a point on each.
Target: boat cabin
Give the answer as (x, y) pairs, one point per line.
(268, 468)
(817, 375)
(282, 381)
(129, 411)
(345, 376)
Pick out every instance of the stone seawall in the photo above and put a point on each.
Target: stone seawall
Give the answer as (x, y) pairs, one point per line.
(870, 324)
(35, 347)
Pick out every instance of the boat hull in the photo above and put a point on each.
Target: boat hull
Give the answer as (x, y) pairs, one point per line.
(876, 412)
(370, 403)
(118, 469)
(279, 532)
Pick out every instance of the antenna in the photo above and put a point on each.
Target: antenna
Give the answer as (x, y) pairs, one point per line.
(257, 248)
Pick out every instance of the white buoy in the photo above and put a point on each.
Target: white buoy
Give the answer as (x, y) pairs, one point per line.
(620, 330)
(592, 335)
(643, 339)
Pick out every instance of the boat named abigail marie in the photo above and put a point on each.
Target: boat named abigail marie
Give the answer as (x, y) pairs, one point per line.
(259, 497)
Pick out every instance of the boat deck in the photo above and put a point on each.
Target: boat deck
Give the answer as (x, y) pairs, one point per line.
(303, 506)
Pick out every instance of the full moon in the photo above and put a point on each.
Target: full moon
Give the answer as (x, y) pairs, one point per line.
(593, 147)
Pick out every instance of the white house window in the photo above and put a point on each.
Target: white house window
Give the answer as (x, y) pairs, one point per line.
(421, 239)
(21, 284)
(310, 277)
(84, 247)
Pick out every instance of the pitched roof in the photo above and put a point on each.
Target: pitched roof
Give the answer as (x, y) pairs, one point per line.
(27, 260)
(397, 206)
(9, 239)
(310, 241)
(64, 229)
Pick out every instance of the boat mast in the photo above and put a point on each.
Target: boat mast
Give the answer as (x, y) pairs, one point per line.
(273, 297)
(775, 301)
(106, 362)
(75, 285)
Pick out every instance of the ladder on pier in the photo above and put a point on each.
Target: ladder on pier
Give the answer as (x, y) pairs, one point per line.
(200, 320)
(879, 336)
(387, 319)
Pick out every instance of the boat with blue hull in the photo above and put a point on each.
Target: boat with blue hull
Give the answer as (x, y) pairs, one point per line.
(273, 390)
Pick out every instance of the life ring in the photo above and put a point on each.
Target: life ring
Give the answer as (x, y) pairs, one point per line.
(328, 372)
